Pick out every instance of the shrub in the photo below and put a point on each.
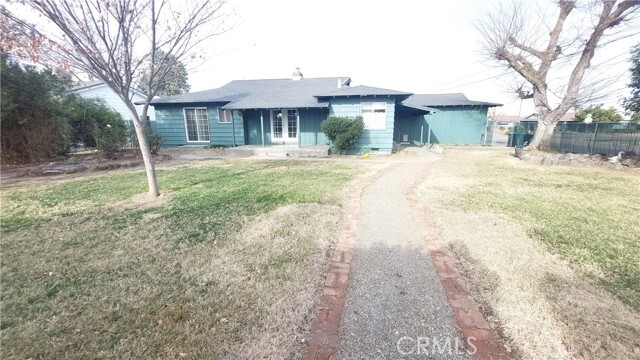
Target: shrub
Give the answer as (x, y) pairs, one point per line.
(110, 136)
(154, 140)
(33, 125)
(95, 124)
(343, 132)
(40, 120)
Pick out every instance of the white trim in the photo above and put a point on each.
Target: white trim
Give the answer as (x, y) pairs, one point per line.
(375, 105)
(224, 111)
(186, 127)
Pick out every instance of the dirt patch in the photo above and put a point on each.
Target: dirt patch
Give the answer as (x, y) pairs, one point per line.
(88, 164)
(141, 201)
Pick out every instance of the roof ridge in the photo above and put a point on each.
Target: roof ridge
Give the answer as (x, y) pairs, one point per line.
(303, 79)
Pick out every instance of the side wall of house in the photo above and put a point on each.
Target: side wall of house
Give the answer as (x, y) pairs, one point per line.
(170, 125)
(113, 100)
(371, 141)
(462, 125)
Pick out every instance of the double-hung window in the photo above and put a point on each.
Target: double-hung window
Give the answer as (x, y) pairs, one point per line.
(224, 116)
(374, 115)
(197, 124)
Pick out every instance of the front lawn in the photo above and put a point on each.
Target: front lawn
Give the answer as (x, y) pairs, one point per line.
(225, 264)
(551, 253)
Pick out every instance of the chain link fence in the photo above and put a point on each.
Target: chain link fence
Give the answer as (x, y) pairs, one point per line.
(580, 138)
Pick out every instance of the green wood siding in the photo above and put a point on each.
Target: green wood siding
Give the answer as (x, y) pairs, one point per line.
(170, 125)
(382, 140)
(409, 124)
(310, 120)
(252, 127)
(463, 125)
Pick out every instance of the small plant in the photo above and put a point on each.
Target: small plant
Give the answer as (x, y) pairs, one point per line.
(154, 139)
(110, 137)
(343, 132)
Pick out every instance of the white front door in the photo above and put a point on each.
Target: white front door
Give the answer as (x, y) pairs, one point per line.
(284, 125)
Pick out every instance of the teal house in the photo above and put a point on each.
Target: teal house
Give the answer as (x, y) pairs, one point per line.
(289, 112)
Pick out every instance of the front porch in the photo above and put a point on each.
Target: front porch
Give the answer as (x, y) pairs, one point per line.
(279, 151)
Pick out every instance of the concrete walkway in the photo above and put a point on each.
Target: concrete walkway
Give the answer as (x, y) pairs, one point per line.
(395, 304)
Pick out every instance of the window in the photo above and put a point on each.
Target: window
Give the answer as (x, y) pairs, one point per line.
(292, 126)
(276, 118)
(224, 116)
(374, 115)
(197, 124)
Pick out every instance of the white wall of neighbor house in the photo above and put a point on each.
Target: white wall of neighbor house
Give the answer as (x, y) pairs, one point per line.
(113, 100)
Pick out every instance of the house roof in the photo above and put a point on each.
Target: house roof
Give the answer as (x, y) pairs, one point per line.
(422, 108)
(86, 84)
(436, 100)
(361, 90)
(262, 94)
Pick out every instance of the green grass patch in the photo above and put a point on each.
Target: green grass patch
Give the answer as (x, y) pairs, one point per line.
(588, 216)
(91, 269)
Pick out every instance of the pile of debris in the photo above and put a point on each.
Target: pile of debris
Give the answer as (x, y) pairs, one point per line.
(621, 161)
(76, 164)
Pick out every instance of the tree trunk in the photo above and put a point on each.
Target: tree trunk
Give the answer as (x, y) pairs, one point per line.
(544, 132)
(152, 180)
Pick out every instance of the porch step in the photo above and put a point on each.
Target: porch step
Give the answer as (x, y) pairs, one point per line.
(279, 151)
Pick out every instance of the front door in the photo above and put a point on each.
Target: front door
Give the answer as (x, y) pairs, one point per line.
(284, 125)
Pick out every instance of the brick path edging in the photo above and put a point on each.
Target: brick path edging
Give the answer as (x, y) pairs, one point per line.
(324, 328)
(469, 318)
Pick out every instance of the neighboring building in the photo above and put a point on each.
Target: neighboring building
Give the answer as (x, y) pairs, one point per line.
(570, 116)
(289, 111)
(100, 90)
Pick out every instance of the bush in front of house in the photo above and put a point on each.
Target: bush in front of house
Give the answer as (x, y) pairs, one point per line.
(40, 120)
(95, 124)
(154, 140)
(32, 122)
(343, 132)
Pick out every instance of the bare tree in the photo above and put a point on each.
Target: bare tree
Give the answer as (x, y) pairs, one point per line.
(117, 41)
(528, 43)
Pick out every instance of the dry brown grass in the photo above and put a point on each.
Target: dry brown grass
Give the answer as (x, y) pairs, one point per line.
(295, 239)
(545, 307)
(226, 264)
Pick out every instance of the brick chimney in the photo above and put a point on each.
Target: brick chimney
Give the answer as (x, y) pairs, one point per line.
(297, 75)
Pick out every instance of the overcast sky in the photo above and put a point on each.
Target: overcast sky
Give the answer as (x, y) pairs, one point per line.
(415, 46)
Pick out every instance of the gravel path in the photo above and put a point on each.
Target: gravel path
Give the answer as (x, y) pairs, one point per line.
(395, 298)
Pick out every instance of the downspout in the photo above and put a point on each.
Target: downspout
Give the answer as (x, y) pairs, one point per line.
(422, 132)
(233, 129)
(262, 127)
(298, 128)
(429, 131)
(486, 131)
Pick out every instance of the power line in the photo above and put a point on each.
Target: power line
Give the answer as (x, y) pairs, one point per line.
(474, 82)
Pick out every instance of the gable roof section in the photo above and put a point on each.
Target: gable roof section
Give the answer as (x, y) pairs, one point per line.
(361, 90)
(261, 94)
(88, 85)
(436, 100)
